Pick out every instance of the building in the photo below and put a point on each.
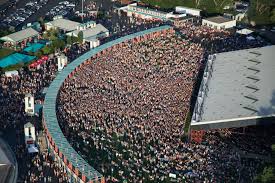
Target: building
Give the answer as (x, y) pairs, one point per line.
(62, 24)
(147, 13)
(188, 11)
(244, 31)
(219, 22)
(29, 104)
(20, 38)
(92, 33)
(237, 90)
(62, 61)
(75, 167)
(30, 138)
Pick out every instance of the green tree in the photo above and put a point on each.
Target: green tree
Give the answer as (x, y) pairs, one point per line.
(47, 50)
(58, 44)
(69, 40)
(272, 18)
(260, 11)
(74, 39)
(268, 175)
(41, 20)
(80, 37)
(4, 32)
(1, 71)
(39, 53)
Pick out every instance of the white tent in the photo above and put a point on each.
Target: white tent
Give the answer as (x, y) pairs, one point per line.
(250, 38)
(32, 149)
(11, 73)
(244, 31)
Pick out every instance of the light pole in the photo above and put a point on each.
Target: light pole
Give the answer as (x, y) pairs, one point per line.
(82, 11)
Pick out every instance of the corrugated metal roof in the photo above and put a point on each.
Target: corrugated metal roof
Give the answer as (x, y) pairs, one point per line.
(241, 86)
(20, 35)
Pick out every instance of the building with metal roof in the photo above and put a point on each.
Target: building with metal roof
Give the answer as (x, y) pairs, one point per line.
(148, 13)
(219, 22)
(20, 36)
(74, 164)
(62, 24)
(98, 31)
(237, 90)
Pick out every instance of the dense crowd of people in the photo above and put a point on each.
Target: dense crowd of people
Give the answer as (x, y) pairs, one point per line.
(12, 92)
(216, 41)
(142, 94)
(125, 113)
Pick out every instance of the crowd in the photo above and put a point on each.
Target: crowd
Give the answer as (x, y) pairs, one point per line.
(42, 168)
(12, 116)
(125, 113)
(142, 94)
(216, 41)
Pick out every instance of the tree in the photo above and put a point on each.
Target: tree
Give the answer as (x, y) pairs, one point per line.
(47, 50)
(74, 39)
(261, 12)
(41, 20)
(268, 175)
(69, 40)
(1, 71)
(80, 37)
(39, 53)
(272, 18)
(58, 44)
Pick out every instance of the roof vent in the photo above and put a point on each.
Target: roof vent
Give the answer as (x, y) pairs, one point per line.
(254, 78)
(251, 108)
(255, 53)
(253, 87)
(255, 61)
(254, 69)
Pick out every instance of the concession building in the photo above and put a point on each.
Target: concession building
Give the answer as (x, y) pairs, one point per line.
(219, 22)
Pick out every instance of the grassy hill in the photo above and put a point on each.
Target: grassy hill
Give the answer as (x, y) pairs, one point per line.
(262, 12)
(210, 6)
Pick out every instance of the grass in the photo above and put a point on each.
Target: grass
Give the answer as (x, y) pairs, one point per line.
(13, 67)
(5, 52)
(210, 6)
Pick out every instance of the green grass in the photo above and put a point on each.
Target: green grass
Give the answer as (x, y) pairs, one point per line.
(5, 52)
(210, 6)
(13, 67)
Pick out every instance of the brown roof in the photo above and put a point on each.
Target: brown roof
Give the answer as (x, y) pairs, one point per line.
(218, 19)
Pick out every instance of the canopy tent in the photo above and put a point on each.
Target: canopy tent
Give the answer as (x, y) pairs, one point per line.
(244, 31)
(34, 47)
(15, 58)
(39, 62)
(32, 149)
(11, 73)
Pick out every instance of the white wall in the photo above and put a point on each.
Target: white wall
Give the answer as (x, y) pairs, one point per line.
(190, 11)
(61, 62)
(214, 25)
(32, 134)
(29, 104)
